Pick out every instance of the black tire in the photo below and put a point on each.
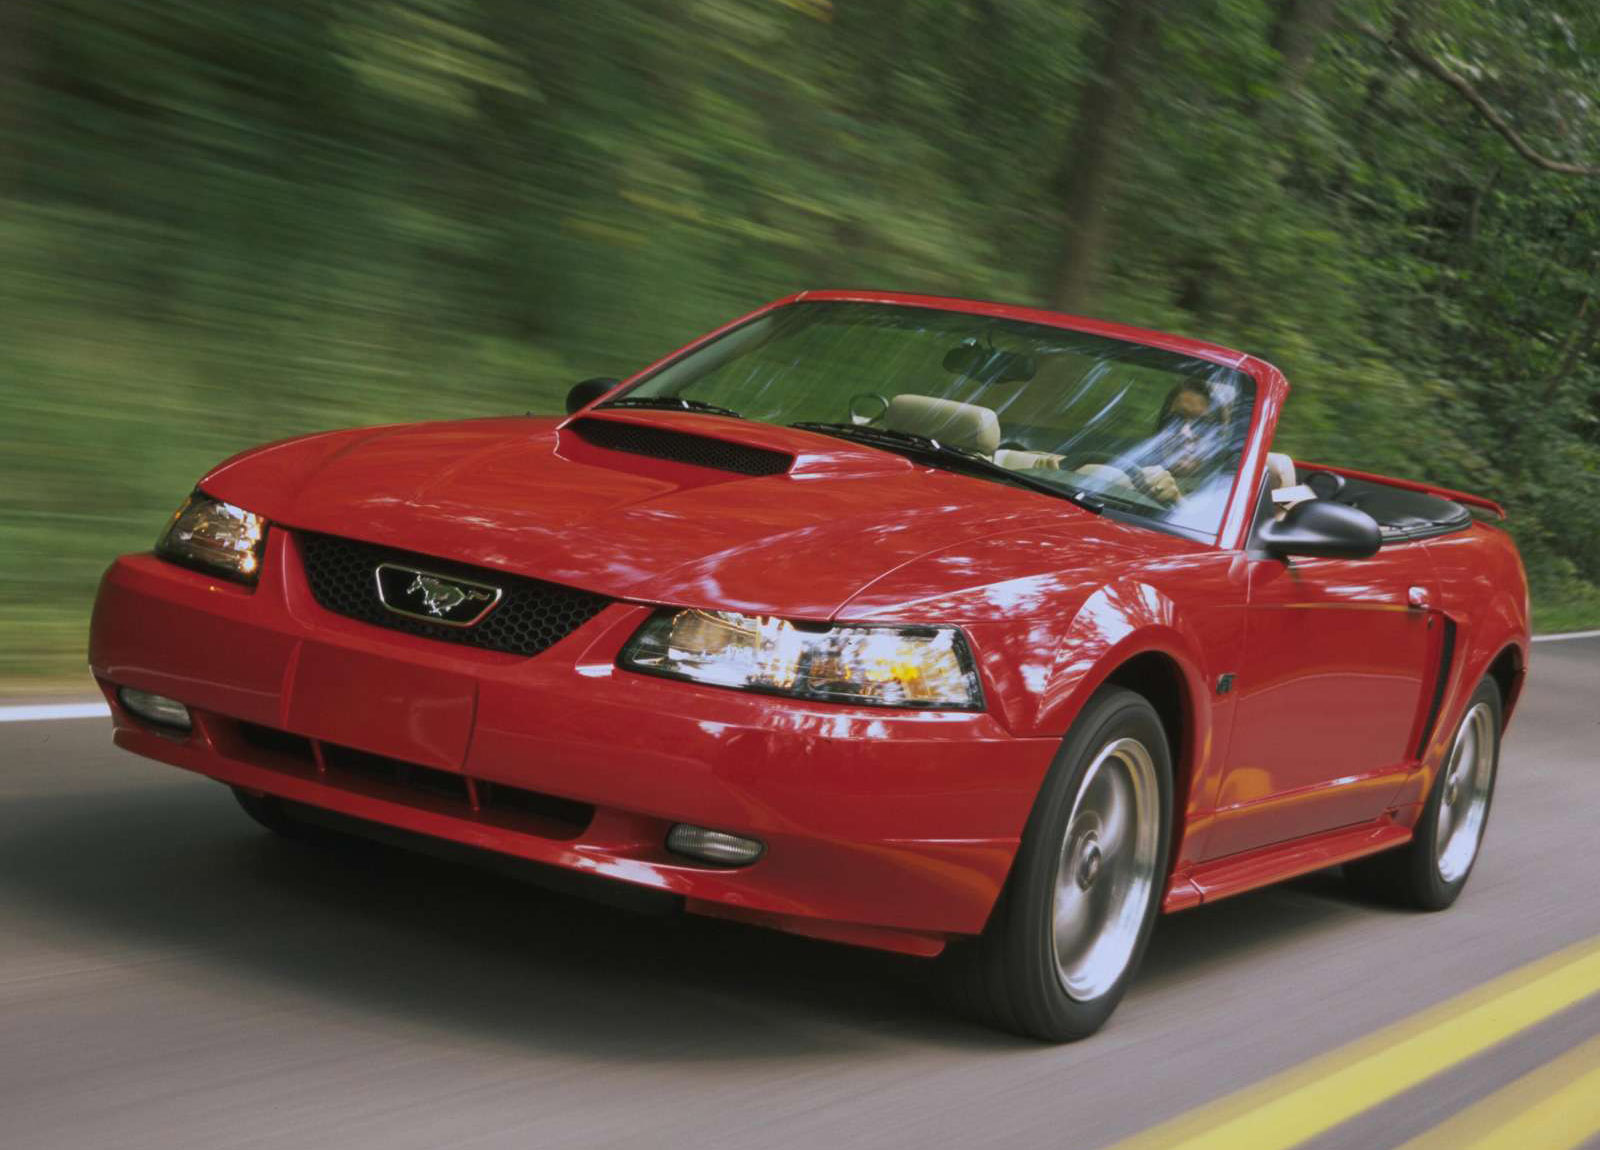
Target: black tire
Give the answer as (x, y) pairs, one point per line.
(1009, 976)
(272, 813)
(1414, 875)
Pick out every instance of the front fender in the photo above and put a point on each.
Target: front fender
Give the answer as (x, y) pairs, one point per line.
(1050, 667)
(1065, 663)
(1117, 623)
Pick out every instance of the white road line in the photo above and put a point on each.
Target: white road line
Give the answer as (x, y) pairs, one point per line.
(50, 711)
(1567, 635)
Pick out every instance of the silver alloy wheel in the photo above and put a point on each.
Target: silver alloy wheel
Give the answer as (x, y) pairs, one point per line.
(1464, 799)
(1106, 869)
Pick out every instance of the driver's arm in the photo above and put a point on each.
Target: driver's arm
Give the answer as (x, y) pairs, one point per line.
(1017, 459)
(1158, 481)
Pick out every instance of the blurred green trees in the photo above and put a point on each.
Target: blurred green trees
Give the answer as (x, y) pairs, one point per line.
(225, 221)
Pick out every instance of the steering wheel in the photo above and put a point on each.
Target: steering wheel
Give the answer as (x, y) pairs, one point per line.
(1131, 472)
(859, 417)
(1142, 485)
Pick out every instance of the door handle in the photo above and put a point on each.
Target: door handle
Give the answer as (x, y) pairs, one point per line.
(1417, 597)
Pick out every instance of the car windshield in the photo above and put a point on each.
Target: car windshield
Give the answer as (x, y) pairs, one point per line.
(1146, 431)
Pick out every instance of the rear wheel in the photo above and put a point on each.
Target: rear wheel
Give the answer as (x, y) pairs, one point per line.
(1430, 872)
(1070, 928)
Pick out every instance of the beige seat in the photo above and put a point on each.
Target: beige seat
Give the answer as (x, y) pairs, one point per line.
(957, 424)
(1280, 471)
(1281, 482)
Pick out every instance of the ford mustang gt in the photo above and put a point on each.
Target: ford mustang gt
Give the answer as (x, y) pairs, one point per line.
(948, 628)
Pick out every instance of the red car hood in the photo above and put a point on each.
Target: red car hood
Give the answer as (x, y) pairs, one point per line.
(522, 496)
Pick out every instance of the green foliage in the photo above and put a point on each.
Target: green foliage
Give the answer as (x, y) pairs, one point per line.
(225, 222)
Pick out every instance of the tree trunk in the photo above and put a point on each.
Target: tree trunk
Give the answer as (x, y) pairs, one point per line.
(1296, 33)
(1469, 233)
(16, 76)
(1407, 14)
(1106, 113)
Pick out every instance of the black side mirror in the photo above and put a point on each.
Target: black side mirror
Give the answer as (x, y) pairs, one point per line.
(585, 393)
(1323, 530)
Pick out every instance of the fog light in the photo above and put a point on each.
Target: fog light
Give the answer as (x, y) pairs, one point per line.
(156, 708)
(713, 846)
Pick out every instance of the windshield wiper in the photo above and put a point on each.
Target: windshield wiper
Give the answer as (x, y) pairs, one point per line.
(672, 403)
(957, 458)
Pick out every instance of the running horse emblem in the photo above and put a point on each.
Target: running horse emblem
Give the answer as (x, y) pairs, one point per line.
(441, 597)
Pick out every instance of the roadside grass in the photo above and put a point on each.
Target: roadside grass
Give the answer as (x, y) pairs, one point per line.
(1556, 618)
(106, 432)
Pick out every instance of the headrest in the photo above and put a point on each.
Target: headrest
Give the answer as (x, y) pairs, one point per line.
(947, 420)
(1280, 471)
(1281, 482)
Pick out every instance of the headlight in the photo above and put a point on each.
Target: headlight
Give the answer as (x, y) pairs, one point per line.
(216, 537)
(880, 666)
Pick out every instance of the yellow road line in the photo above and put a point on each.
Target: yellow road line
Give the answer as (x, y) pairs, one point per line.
(1556, 1107)
(1319, 1094)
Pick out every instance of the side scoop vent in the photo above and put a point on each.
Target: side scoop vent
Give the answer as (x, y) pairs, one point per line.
(681, 446)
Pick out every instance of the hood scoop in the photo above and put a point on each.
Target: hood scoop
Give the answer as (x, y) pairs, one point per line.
(681, 446)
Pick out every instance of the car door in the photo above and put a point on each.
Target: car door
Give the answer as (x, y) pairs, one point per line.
(1330, 694)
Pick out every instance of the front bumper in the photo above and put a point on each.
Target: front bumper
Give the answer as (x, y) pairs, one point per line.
(893, 829)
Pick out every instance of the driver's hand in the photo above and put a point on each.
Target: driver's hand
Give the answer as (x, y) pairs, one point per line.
(1161, 484)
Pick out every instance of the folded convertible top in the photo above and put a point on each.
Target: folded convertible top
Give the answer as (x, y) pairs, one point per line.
(1462, 497)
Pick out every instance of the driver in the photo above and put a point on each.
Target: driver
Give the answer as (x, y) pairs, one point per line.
(1185, 437)
(1178, 452)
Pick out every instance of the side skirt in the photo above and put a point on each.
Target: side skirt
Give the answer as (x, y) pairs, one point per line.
(1235, 874)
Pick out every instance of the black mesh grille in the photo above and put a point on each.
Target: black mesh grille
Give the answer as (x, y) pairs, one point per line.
(531, 616)
(353, 770)
(681, 446)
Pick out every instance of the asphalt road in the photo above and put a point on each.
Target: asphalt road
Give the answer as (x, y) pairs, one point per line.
(171, 976)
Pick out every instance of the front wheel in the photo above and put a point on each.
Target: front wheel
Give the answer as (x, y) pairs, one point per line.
(1075, 917)
(274, 814)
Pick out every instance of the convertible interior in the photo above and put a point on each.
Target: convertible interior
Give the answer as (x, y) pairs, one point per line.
(1401, 514)
(967, 425)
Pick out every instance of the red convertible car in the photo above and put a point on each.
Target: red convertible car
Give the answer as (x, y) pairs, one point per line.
(947, 628)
